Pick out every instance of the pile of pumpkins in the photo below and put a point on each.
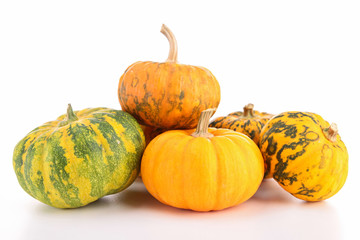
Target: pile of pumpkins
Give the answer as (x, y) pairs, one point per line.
(186, 161)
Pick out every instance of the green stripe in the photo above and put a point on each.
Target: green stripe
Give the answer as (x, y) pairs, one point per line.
(36, 188)
(119, 156)
(18, 163)
(58, 175)
(88, 149)
(115, 140)
(134, 131)
(93, 166)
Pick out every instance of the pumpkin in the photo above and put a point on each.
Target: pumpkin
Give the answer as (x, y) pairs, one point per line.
(80, 157)
(249, 122)
(203, 169)
(167, 95)
(150, 132)
(305, 155)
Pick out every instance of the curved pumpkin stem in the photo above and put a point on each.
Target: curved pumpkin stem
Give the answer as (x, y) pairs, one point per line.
(202, 127)
(249, 110)
(331, 132)
(173, 52)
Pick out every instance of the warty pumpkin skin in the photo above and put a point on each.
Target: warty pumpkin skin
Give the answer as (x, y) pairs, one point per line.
(249, 122)
(203, 169)
(167, 95)
(80, 157)
(305, 155)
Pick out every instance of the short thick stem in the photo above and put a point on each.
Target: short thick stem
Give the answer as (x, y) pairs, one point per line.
(249, 110)
(331, 132)
(70, 116)
(202, 127)
(173, 52)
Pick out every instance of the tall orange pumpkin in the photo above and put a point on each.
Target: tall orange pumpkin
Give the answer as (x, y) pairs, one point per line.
(168, 95)
(202, 170)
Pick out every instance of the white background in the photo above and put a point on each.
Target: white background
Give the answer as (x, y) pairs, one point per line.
(279, 55)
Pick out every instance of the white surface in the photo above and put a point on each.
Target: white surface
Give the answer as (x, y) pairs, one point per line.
(279, 55)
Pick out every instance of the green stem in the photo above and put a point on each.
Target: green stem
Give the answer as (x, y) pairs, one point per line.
(70, 116)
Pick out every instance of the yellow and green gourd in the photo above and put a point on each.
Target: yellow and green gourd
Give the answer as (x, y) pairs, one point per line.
(80, 157)
(305, 155)
(249, 122)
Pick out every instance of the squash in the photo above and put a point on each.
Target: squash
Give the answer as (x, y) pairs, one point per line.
(167, 95)
(249, 122)
(80, 157)
(203, 169)
(151, 132)
(305, 155)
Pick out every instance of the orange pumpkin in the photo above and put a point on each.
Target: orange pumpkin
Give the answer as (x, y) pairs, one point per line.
(249, 122)
(168, 95)
(202, 170)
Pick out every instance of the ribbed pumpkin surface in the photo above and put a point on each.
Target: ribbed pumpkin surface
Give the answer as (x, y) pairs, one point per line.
(68, 165)
(199, 173)
(167, 95)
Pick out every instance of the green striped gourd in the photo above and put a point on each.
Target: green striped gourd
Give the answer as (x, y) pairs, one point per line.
(80, 157)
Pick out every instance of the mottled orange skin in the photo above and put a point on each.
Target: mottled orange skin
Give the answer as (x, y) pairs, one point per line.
(167, 95)
(301, 158)
(248, 125)
(200, 173)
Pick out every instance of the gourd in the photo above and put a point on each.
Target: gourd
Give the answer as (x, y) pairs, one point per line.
(204, 169)
(305, 155)
(167, 95)
(150, 132)
(249, 122)
(80, 157)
